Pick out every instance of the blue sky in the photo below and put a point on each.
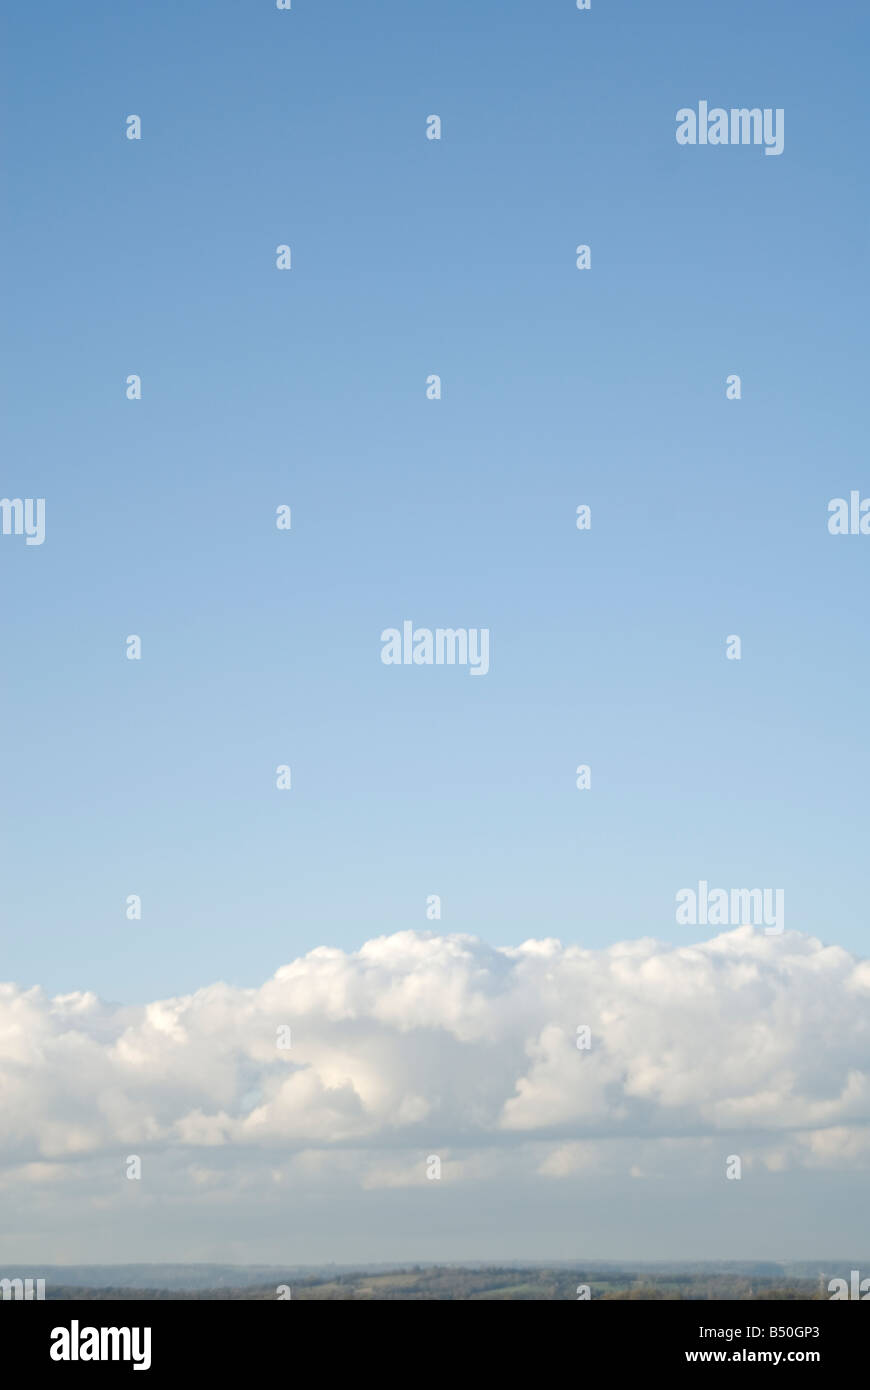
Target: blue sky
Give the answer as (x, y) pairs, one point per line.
(413, 257)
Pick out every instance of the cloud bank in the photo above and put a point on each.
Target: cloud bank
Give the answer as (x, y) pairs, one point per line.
(420, 1043)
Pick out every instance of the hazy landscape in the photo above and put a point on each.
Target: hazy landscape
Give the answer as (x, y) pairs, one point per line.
(716, 1280)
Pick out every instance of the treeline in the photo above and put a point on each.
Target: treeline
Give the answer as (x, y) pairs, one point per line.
(450, 1283)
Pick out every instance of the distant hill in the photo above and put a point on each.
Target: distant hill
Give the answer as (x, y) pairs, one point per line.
(714, 1280)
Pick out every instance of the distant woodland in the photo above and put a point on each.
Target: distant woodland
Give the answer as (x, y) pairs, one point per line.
(452, 1283)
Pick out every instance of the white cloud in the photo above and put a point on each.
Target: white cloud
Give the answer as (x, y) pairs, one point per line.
(422, 1043)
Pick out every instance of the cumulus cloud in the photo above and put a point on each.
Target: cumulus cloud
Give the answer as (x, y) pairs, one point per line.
(420, 1042)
